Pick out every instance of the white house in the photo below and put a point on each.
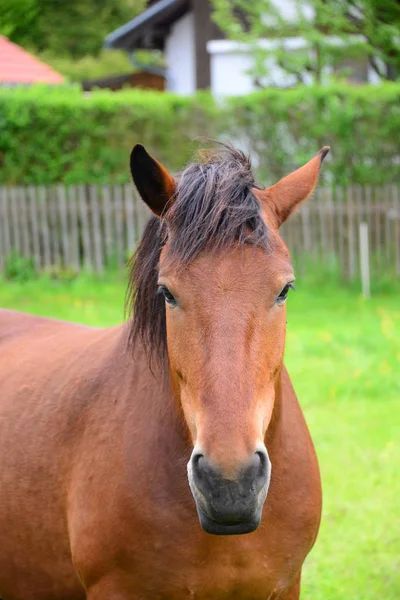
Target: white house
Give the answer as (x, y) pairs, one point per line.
(197, 54)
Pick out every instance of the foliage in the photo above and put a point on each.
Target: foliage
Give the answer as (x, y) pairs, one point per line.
(285, 127)
(342, 353)
(69, 36)
(73, 29)
(334, 31)
(19, 268)
(60, 134)
(17, 17)
(107, 62)
(50, 135)
(379, 23)
(62, 274)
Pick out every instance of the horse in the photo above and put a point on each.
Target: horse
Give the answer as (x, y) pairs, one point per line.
(167, 457)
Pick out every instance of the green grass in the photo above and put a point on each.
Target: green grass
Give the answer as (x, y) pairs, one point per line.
(343, 353)
(86, 299)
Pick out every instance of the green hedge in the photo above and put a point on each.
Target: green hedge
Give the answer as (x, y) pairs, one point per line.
(51, 135)
(361, 124)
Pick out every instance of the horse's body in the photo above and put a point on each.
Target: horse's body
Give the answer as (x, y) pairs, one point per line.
(78, 421)
(94, 500)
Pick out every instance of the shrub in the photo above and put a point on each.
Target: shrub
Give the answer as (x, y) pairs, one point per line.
(361, 124)
(51, 135)
(19, 268)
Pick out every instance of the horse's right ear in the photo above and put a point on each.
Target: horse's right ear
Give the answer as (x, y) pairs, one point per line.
(153, 182)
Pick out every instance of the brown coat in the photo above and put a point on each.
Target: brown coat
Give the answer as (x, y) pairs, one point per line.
(95, 445)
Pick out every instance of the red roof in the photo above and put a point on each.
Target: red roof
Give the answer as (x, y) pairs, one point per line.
(18, 66)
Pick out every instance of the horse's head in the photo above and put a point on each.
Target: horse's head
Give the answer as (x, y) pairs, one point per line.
(212, 276)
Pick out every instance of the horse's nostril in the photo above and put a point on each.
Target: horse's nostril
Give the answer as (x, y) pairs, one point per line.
(196, 464)
(196, 459)
(263, 466)
(256, 475)
(262, 456)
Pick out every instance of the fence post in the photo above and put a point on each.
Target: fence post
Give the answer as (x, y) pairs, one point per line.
(64, 230)
(119, 224)
(350, 233)
(85, 231)
(96, 227)
(5, 246)
(33, 204)
(364, 260)
(396, 224)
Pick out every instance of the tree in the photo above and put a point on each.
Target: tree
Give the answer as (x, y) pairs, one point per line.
(332, 31)
(379, 23)
(72, 28)
(17, 17)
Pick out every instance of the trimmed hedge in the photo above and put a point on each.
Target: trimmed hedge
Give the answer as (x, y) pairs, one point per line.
(50, 135)
(361, 124)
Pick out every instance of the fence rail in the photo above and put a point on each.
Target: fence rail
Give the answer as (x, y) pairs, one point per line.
(91, 226)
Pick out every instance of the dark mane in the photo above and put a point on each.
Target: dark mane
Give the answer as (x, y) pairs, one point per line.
(213, 207)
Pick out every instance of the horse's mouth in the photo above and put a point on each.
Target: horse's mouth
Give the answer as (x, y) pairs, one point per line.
(227, 526)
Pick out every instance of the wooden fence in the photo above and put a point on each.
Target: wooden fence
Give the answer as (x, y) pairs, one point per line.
(91, 227)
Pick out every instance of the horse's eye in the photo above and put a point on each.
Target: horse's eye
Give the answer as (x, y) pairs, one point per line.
(169, 298)
(283, 294)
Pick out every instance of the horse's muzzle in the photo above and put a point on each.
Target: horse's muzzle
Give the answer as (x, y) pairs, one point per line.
(225, 506)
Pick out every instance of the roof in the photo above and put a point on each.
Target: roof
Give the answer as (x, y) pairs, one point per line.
(18, 66)
(144, 78)
(149, 29)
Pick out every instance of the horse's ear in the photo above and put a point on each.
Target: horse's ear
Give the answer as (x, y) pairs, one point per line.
(289, 192)
(153, 182)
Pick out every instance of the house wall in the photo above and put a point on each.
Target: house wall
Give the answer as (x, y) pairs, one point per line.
(180, 56)
(231, 65)
(229, 73)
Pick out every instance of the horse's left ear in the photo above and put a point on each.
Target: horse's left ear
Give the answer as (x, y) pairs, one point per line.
(289, 192)
(153, 182)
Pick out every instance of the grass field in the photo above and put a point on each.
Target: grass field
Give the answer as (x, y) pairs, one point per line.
(343, 353)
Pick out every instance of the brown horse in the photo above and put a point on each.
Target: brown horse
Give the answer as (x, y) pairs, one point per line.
(99, 426)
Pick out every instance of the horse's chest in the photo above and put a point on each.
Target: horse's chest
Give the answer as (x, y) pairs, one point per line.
(223, 582)
(220, 581)
(239, 567)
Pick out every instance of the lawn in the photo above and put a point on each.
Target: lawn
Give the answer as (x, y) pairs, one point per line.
(343, 353)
